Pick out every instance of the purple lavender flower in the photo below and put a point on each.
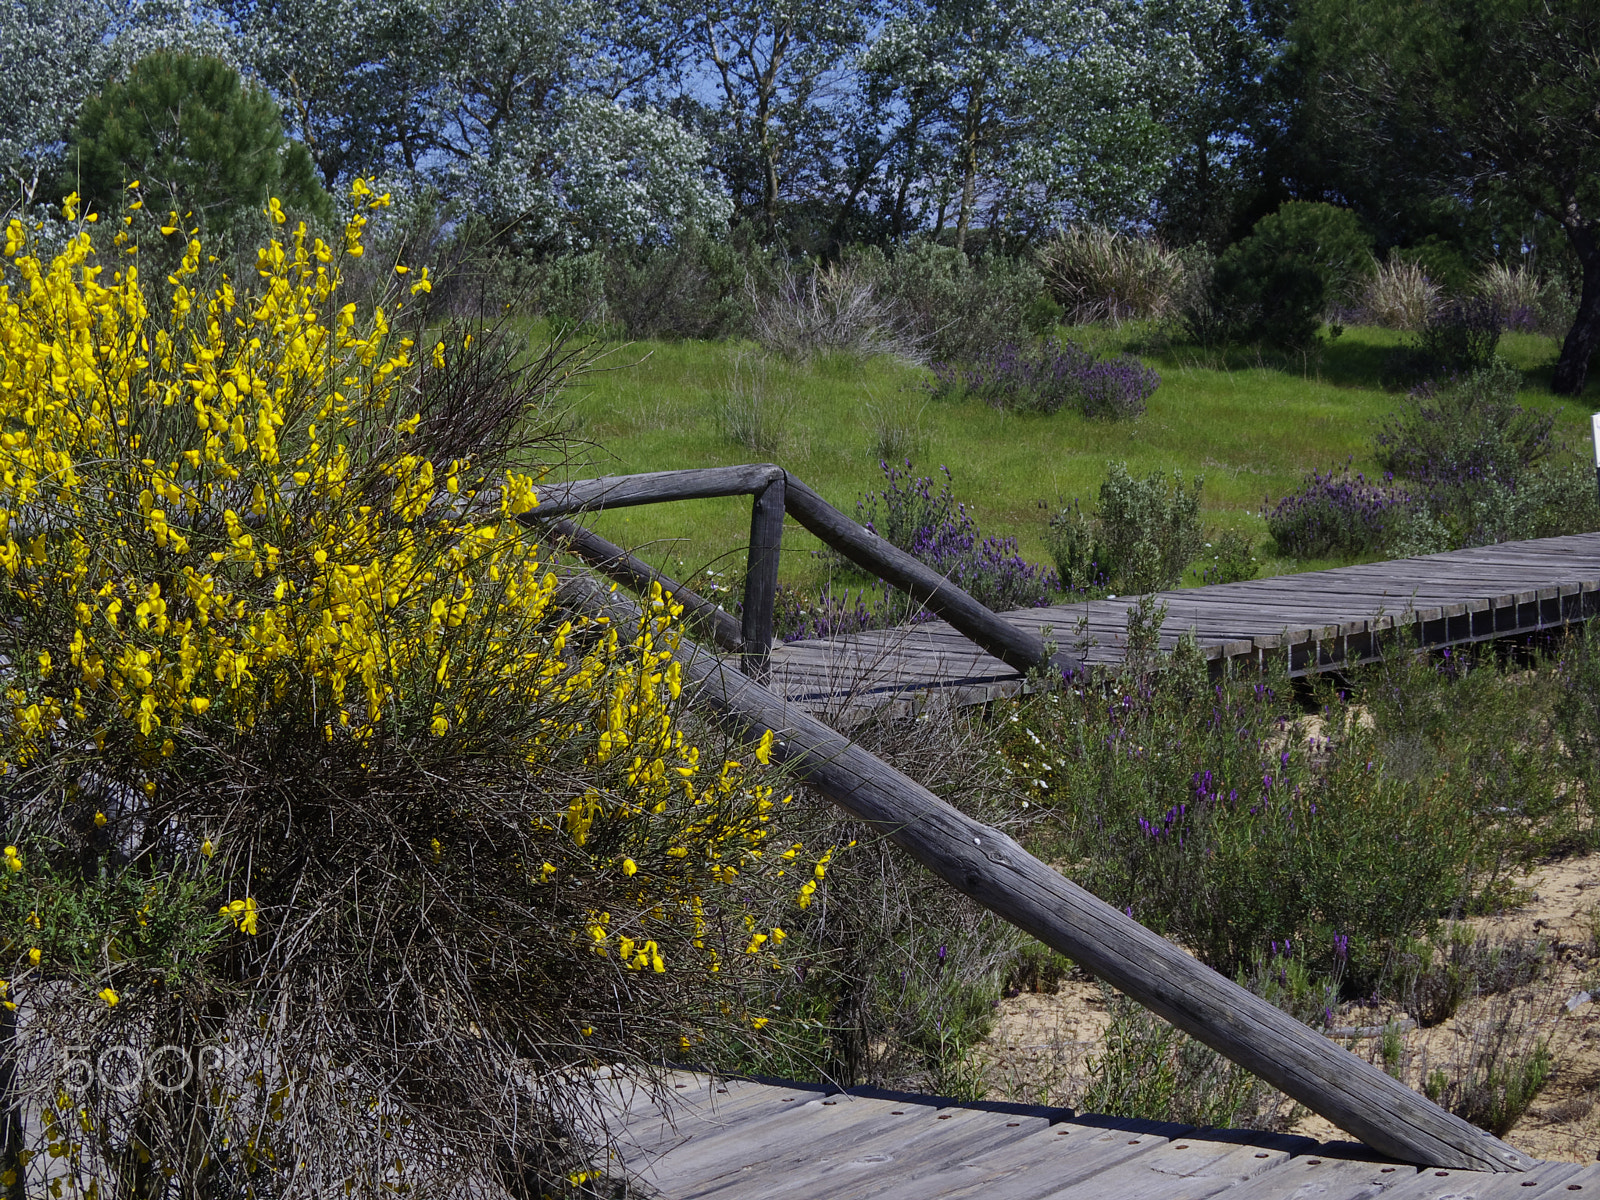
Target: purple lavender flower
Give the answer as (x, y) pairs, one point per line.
(1058, 375)
(1336, 512)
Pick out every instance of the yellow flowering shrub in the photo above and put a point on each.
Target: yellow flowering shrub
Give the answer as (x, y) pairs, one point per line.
(313, 786)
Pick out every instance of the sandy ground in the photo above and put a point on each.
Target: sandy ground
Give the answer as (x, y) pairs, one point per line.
(1039, 1049)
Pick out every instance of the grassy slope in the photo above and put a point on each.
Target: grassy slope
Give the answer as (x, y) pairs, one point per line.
(1252, 428)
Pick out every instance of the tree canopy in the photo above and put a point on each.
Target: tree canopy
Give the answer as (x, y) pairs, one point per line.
(1484, 101)
(1457, 132)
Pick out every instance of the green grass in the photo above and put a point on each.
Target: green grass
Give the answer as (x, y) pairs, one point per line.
(1252, 426)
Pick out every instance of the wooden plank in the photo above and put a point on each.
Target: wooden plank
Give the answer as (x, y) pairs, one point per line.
(1039, 1164)
(646, 1131)
(1192, 1167)
(871, 1168)
(1547, 1179)
(998, 873)
(1582, 1184)
(686, 1135)
(776, 1162)
(741, 1152)
(1318, 1176)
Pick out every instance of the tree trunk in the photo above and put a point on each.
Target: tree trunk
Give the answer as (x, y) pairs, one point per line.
(1572, 368)
(968, 182)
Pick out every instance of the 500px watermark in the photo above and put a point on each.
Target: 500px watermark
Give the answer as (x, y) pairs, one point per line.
(129, 1069)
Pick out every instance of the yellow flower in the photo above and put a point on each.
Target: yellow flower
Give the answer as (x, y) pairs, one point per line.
(35, 955)
(760, 1022)
(109, 996)
(207, 849)
(13, 860)
(629, 867)
(100, 820)
(243, 913)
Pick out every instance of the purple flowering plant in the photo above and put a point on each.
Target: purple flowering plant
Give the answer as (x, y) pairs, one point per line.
(1054, 376)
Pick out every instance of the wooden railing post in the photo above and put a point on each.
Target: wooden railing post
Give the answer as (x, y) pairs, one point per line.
(761, 578)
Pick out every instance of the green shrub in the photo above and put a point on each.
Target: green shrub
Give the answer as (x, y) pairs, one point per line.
(1232, 557)
(1472, 427)
(1507, 1066)
(955, 307)
(1142, 536)
(1276, 285)
(316, 783)
(1097, 274)
(1221, 818)
(693, 288)
(196, 138)
(1480, 468)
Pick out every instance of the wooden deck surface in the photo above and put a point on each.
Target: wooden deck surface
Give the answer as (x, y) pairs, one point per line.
(736, 1139)
(1316, 621)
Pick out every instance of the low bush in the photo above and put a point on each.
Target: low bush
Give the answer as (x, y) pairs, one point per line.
(837, 309)
(1467, 428)
(1222, 817)
(1480, 468)
(938, 531)
(693, 288)
(1142, 536)
(1057, 375)
(957, 308)
(1232, 557)
(1098, 274)
(314, 783)
(1276, 285)
(1507, 1065)
(1459, 339)
(1401, 296)
(1337, 513)
(1516, 291)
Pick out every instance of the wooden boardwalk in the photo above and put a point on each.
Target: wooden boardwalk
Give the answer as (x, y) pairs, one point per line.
(739, 1140)
(1315, 621)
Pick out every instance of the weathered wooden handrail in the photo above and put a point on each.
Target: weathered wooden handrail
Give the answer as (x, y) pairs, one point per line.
(654, 487)
(999, 874)
(777, 492)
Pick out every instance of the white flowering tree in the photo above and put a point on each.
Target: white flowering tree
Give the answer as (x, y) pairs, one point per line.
(511, 108)
(1045, 110)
